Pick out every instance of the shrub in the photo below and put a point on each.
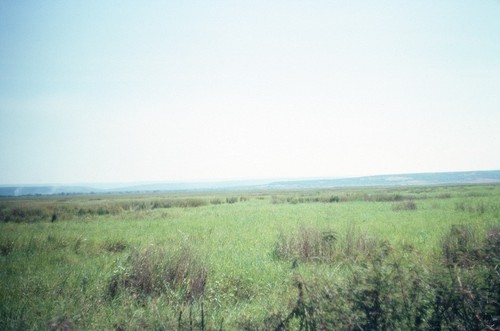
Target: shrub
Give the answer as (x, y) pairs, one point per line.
(388, 293)
(381, 294)
(181, 203)
(491, 248)
(384, 197)
(7, 246)
(194, 202)
(459, 246)
(467, 289)
(391, 291)
(215, 201)
(334, 198)
(24, 213)
(232, 199)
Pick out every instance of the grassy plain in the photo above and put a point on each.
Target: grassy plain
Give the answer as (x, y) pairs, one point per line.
(244, 260)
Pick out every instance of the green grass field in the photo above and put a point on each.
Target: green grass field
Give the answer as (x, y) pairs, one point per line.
(371, 258)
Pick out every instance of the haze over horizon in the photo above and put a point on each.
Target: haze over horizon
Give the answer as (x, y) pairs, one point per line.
(112, 92)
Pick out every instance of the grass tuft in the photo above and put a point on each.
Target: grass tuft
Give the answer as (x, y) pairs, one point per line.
(7, 246)
(60, 324)
(406, 205)
(155, 271)
(310, 244)
(115, 246)
(459, 246)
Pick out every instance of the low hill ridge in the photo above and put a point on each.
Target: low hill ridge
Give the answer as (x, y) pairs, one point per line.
(440, 178)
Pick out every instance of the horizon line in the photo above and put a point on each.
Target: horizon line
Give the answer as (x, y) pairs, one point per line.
(229, 180)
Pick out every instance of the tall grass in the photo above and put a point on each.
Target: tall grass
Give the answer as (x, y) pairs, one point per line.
(155, 271)
(395, 291)
(358, 262)
(39, 209)
(313, 244)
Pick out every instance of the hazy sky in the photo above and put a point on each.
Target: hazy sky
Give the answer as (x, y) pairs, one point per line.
(112, 91)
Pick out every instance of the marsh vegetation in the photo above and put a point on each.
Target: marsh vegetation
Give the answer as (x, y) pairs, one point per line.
(373, 259)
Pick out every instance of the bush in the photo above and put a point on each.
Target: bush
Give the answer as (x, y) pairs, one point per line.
(391, 291)
(216, 201)
(6, 247)
(459, 246)
(334, 198)
(381, 294)
(383, 197)
(232, 199)
(23, 213)
(194, 202)
(467, 290)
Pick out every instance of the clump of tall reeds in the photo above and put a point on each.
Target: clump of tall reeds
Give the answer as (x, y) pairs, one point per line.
(308, 244)
(312, 244)
(405, 205)
(155, 270)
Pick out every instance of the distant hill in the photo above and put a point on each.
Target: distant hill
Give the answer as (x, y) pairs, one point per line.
(44, 190)
(442, 178)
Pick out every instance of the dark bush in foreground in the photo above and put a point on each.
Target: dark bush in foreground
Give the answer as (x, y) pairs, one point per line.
(391, 291)
(381, 294)
(459, 246)
(467, 290)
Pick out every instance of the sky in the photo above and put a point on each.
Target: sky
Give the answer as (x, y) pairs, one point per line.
(138, 91)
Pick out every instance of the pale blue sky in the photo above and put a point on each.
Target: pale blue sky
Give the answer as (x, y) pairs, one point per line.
(113, 91)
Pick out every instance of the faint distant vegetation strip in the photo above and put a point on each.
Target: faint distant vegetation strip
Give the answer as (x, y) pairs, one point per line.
(41, 209)
(35, 209)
